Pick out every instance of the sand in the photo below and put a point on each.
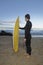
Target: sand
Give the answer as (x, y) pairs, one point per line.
(9, 57)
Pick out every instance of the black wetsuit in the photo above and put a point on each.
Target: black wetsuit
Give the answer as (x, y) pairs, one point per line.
(28, 36)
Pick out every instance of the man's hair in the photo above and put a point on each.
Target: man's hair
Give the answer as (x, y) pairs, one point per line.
(27, 16)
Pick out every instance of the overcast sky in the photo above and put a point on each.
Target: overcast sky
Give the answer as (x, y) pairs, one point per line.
(11, 9)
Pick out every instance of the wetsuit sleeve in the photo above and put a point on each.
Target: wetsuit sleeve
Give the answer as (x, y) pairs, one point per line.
(28, 28)
(22, 28)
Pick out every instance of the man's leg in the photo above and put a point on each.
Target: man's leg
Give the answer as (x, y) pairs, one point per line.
(28, 46)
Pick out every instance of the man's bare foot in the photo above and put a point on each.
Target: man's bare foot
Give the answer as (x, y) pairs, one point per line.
(28, 56)
(25, 54)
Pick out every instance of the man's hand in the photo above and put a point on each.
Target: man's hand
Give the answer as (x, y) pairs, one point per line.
(24, 40)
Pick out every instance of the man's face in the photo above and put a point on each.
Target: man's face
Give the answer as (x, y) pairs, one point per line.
(26, 19)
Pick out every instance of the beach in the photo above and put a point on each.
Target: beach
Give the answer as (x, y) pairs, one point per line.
(9, 57)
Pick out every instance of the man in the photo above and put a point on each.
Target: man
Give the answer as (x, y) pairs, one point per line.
(27, 39)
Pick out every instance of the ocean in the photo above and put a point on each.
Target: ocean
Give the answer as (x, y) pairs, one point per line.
(34, 33)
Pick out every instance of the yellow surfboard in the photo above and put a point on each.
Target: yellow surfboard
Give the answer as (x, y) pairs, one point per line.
(16, 35)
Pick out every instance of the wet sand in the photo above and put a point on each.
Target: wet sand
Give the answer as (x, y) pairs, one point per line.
(8, 57)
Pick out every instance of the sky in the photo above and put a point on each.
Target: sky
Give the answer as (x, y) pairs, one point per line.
(11, 9)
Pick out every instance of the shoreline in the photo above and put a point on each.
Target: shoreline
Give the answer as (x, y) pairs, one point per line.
(33, 36)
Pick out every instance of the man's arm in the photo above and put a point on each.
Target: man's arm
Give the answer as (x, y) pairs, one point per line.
(28, 28)
(22, 28)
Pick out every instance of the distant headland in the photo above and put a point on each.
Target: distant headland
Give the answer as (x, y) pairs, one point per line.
(4, 33)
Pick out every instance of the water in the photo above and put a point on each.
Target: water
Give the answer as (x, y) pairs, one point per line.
(36, 33)
(32, 35)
